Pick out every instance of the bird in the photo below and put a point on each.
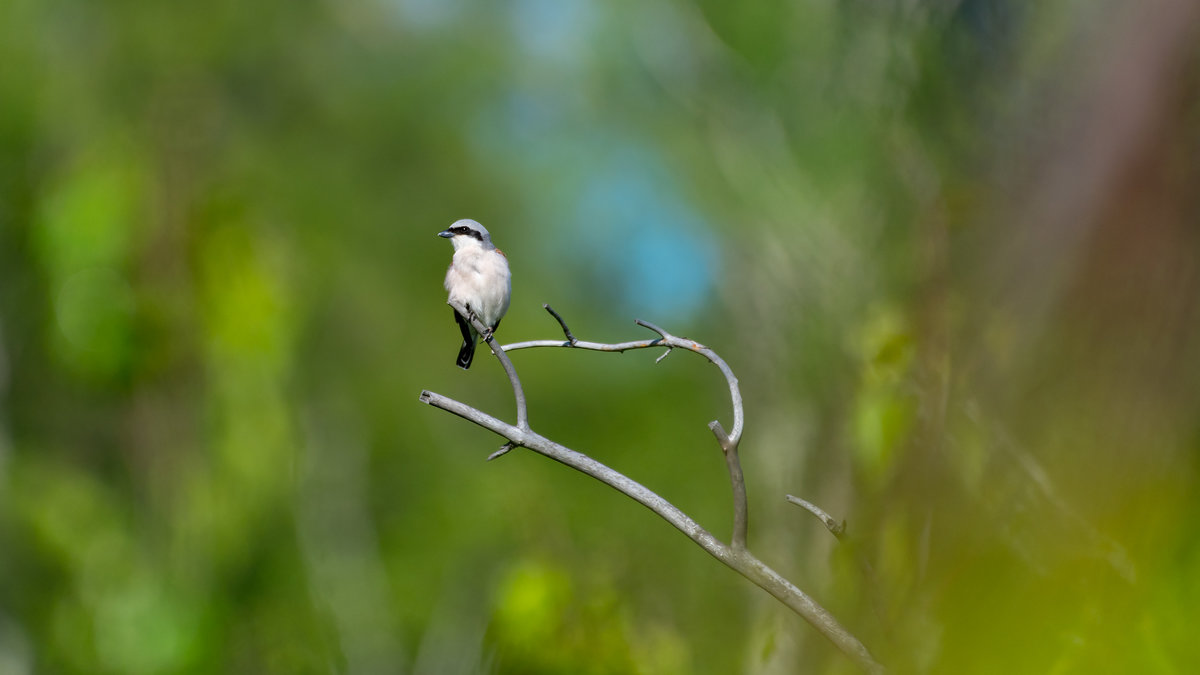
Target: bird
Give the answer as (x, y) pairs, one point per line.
(478, 279)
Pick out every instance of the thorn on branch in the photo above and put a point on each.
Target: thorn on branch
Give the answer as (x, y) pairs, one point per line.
(566, 331)
(838, 529)
(502, 451)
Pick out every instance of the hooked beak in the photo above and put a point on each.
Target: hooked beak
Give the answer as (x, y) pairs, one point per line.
(446, 233)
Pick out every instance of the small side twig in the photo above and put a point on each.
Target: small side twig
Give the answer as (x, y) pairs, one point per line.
(837, 528)
(646, 324)
(566, 331)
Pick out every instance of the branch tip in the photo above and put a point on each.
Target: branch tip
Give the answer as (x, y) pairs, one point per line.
(719, 432)
(562, 323)
(646, 324)
(664, 355)
(836, 528)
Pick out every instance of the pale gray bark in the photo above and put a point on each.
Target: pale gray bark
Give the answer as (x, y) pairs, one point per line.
(735, 555)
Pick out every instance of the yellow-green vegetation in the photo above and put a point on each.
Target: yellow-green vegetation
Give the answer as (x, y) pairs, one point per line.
(949, 250)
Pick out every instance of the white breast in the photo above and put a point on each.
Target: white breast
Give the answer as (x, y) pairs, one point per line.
(480, 279)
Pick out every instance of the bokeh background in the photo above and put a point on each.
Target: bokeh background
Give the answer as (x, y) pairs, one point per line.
(950, 248)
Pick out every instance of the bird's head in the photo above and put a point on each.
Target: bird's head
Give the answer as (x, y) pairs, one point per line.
(467, 232)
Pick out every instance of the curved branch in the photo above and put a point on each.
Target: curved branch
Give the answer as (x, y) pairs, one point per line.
(665, 340)
(505, 362)
(728, 441)
(739, 560)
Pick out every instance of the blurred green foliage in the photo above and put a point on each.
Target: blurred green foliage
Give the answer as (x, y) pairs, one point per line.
(950, 250)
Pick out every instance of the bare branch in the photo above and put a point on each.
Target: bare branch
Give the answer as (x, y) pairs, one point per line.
(741, 561)
(838, 529)
(583, 344)
(582, 463)
(734, 555)
(728, 441)
(505, 362)
(473, 415)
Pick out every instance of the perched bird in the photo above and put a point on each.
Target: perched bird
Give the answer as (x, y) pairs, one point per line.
(479, 279)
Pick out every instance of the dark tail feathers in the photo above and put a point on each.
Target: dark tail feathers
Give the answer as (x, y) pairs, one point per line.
(465, 354)
(467, 351)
